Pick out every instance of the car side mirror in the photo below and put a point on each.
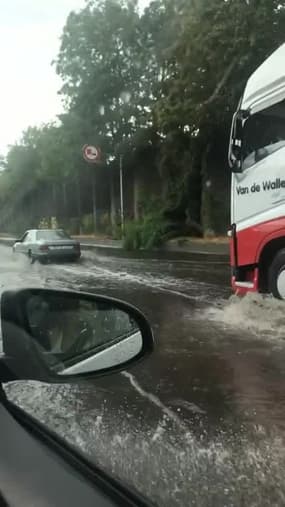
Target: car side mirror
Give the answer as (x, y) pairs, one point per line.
(58, 336)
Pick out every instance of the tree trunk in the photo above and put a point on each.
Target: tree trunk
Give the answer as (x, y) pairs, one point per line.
(54, 203)
(64, 199)
(79, 207)
(137, 192)
(113, 201)
(215, 192)
(94, 211)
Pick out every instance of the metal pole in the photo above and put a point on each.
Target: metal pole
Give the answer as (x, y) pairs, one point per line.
(94, 199)
(122, 194)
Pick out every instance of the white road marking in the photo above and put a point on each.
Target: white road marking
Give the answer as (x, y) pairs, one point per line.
(154, 399)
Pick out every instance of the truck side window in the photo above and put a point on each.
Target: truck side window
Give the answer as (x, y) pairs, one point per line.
(264, 133)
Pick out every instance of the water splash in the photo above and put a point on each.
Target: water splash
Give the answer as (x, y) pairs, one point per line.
(260, 315)
(174, 469)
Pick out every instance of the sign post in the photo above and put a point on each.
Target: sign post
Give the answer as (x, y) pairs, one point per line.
(122, 195)
(92, 155)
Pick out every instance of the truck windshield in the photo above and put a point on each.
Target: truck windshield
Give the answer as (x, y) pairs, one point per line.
(264, 133)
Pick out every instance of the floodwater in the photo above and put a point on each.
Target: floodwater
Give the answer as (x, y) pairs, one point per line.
(202, 421)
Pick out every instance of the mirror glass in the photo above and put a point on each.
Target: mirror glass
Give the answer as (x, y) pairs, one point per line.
(76, 334)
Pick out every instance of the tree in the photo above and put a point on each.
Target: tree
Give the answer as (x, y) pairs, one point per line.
(101, 72)
(219, 45)
(158, 88)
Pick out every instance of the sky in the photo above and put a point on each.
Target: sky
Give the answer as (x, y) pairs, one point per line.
(29, 41)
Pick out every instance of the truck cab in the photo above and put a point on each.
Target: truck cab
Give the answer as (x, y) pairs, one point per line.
(257, 161)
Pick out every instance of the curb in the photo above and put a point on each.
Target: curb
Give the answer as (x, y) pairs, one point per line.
(84, 246)
(116, 248)
(7, 241)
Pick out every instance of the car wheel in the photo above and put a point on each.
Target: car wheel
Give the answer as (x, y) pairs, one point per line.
(31, 257)
(15, 257)
(276, 279)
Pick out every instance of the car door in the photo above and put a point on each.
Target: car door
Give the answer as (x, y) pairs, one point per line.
(27, 243)
(18, 246)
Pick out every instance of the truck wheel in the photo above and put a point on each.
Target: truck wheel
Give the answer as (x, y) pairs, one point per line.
(276, 277)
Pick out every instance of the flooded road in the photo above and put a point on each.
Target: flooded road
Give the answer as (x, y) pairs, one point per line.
(202, 421)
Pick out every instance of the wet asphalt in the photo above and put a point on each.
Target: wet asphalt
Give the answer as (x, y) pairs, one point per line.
(200, 422)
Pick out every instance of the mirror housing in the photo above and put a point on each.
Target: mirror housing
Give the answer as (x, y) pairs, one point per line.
(64, 336)
(236, 138)
(236, 166)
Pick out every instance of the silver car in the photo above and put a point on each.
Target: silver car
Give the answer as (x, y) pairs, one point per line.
(47, 245)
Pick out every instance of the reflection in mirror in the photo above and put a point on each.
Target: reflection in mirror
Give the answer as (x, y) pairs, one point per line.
(78, 335)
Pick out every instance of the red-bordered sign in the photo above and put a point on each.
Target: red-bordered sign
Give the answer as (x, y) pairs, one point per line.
(91, 154)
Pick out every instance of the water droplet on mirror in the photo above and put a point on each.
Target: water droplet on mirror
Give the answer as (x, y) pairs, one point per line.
(102, 110)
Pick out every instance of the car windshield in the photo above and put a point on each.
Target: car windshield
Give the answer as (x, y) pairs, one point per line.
(51, 235)
(115, 127)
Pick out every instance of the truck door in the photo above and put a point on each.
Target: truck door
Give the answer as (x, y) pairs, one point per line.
(258, 190)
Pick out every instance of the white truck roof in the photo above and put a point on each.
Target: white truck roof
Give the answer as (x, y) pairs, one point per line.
(266, 86)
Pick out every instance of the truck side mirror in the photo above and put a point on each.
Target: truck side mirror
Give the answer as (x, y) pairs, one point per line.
(235, 148)
(236, 166)
(236, 157)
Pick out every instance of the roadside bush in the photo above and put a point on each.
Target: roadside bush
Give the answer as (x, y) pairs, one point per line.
(104, 222)
(152, 230)
(132, 236)
(146, 233)
(116, 231)
(87, 224)
(74, 226)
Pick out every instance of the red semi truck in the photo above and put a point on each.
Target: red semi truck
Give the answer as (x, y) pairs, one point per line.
(257, 161)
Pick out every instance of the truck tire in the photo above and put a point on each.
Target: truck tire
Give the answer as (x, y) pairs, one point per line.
(276, 278)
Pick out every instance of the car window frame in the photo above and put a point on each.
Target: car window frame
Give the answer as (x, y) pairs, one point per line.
(28, 237)
(22, 239)
(114, 489)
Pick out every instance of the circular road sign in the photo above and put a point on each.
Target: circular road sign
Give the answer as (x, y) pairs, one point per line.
(91, 153)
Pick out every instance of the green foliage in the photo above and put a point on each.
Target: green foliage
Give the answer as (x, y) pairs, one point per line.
(149, 231)
(132, 235)
(74, 226)
(44, 223)
(157, 87)
(220, 44)
(87, 224)
(152, 231)
(115, 232)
